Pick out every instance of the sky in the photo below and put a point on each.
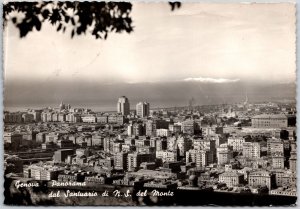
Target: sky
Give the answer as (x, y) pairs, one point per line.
(215, 43)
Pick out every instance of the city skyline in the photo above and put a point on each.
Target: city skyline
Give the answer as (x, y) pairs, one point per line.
(103, 97)
(251, 146)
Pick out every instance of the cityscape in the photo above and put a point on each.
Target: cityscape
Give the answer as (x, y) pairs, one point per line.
(149, 104)
(230, 149)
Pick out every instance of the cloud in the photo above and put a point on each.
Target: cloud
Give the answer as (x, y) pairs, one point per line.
(212, 80)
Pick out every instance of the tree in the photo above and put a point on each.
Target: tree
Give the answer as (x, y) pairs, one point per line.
(98, 18)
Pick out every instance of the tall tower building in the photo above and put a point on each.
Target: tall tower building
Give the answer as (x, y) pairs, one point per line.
(123, 106)
(142, 109)
(62, 106)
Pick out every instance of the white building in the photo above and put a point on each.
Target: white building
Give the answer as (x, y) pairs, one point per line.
(224, 154)
(251, 150)
(162, 132)
(123, 106)
(200, 157)
(236, 143)
(142, 109)
(166, 156)
(88, 119)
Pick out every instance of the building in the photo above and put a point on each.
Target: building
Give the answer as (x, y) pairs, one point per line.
(200, 157)
(73, 118)
(142, 142)
(219, 139)
(256, 150)
(55, 117)
(123, 106)
(189, 127)
(44, 116)
(49, 117)
(65, 144)
(277, 162)
(13, 139)
(231, 178)
(13, 117)
(162, 132)
(172, 143)
(103, 119)
(120, 160)
(275, 147)
(148, 174)
(204, 144)
(207, 145)
(52, 137)
(128, 148)
(293, 161)
(62, 117)
(175, 128)
(97, 140)
(161, 144)
(61, 155)
(42, 172)
(88, 119)
(130, 130)
(153, 125)
(145, 149)
(62, 106)
(135, 159)
(76, 177)
(279, 176)
(49, 146)
(36, 115)
(183, 145)
(68, 107)
(224, 154)
(261, 178)
(137, 129)
(95, 179)
(236, 143)
(27, 118)
(116, 119)
(107, 144)
(251, 150)
(285, 178)
(142, 109)
(270, 121)
(129, 141)
(166, 156)
(81, 152)
(117, 147)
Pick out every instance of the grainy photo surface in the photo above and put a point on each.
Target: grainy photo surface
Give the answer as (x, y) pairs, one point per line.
(129, 104)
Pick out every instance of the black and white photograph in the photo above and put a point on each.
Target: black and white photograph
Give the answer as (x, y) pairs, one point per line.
(149, 103)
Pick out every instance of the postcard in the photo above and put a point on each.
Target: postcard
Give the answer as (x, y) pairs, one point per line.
(158, 103)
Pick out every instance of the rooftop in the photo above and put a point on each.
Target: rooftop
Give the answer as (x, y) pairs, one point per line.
(267, 116)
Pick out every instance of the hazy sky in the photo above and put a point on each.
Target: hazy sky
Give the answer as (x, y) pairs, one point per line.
(198, 42)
